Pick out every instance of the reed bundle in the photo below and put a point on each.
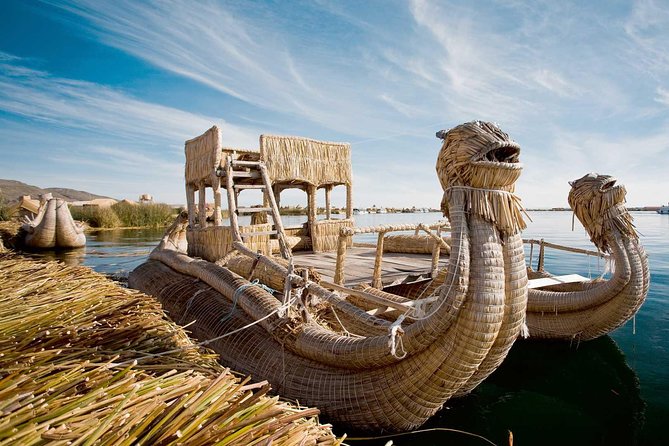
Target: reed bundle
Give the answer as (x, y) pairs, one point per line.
(85, 361)
(412, 244)
(480, 160)
(291, 159)
(10, 234)
(263, 271)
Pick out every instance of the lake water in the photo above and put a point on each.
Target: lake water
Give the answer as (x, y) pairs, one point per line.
(611, 391)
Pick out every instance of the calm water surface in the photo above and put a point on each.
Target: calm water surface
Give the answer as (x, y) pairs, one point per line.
(611, 391)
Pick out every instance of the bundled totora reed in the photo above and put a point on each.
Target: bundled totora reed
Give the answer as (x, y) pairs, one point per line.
(84, 361)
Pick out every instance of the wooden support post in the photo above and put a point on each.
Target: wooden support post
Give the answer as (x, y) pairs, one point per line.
(376, 277)
(190, 203)
(328, 210)
(232, 202)
(278, 225)
(276, 190)
(341, 259)
(202, 209)
(311, 205)
(540, 263)
(218, 217)
(349, 201)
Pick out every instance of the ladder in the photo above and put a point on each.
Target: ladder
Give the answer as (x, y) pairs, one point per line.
(255, 174)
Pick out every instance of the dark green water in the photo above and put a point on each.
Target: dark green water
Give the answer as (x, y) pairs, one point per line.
(611, 391)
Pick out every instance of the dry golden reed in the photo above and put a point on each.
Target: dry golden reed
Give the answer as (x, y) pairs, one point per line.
(85, 361)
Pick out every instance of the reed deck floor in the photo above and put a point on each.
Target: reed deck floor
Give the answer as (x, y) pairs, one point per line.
(359, 264)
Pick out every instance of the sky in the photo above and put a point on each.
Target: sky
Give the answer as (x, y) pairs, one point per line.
(100, 96)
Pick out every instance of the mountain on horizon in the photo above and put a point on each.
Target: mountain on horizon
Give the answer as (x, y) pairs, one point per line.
(13, 190)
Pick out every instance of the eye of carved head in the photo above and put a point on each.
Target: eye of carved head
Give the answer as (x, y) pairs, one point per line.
(478, 154)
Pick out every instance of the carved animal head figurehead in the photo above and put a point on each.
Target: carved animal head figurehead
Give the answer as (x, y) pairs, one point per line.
(480, 160)
(599, 204)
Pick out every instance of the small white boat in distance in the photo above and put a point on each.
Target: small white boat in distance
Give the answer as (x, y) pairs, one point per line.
(663, 209)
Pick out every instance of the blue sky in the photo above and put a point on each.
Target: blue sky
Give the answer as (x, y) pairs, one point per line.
(100, 95)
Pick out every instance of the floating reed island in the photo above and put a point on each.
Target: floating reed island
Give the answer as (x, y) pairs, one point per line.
(84, 361)
(357, 331)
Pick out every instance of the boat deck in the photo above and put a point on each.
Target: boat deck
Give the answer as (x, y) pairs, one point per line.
(359, 265)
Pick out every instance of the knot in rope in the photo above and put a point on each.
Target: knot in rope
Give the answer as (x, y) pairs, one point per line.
(395, 341)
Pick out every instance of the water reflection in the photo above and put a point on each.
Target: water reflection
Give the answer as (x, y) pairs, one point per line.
(548, 393)
(115, 252)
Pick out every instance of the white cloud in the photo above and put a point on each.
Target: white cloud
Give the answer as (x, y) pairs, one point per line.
(90, 106)
(662, 96)
(554, 82)
(648, 29)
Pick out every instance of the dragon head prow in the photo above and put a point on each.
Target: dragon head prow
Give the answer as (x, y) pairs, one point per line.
(480, 159)
(599, 204)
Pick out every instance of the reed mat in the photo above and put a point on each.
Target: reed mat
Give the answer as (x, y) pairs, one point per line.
(84, 361)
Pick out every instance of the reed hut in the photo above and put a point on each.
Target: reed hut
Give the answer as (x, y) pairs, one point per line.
(287, 163)
(365, 356)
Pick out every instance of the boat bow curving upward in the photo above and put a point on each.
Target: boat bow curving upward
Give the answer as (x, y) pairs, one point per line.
(53, 227)
(594, 308)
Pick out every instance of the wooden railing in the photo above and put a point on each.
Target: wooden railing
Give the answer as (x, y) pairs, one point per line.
(345, 235)
(544, 244)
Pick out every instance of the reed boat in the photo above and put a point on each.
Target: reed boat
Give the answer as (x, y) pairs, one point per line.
(573, 307)
(53, 227)
(360, 332)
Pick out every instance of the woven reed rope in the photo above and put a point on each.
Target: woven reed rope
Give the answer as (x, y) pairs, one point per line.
(54, 227)
(603, 305)
(473, 320)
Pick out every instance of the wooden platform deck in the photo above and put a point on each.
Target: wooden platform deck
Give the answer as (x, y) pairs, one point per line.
(359, 265)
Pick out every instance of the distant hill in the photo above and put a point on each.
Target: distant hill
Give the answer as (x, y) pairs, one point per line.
(12, 190)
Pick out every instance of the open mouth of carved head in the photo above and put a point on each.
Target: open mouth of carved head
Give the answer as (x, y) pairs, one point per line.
(596, 187)
(507, 152)
(478, 154)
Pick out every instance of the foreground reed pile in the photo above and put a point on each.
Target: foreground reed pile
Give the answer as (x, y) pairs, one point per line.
(84, 361)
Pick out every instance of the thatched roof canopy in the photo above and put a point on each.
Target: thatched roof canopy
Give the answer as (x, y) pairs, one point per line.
(293, 160)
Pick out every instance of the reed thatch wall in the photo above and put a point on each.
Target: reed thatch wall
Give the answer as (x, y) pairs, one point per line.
(203, 156)
(214, 242)
(85, 361)
(325, 234)
(293, 159)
